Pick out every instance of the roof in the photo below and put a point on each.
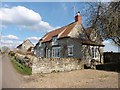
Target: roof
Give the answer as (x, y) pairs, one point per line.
(19, 46)
(89, 30)
(61, 32)
(64, 32)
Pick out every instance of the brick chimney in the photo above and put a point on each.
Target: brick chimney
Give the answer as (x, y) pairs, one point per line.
(78, 18)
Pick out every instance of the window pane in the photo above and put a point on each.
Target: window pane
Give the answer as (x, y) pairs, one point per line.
(70, 50)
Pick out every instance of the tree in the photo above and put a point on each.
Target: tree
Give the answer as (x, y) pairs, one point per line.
(5, 49)
(104, 17)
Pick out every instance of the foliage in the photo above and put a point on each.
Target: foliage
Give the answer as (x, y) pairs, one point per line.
(5, 49)
(11, 53)
(104, 18)
(25, 70)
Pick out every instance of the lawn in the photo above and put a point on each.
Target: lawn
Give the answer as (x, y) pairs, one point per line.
(25, 70)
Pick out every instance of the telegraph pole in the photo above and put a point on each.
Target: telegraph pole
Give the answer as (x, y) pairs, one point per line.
(1, 38)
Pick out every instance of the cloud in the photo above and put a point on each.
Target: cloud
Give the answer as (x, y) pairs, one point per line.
(109, 46)
(12, 37)
(34, 38)
(10, 43)
(6, 41)
(23, 17)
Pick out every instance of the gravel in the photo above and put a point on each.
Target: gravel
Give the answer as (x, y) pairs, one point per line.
(74, 79)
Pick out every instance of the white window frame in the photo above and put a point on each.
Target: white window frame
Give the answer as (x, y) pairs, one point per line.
(54, 38)
(94, 52)
(47, 52)
(70, 47)
(55, 51)
(40, 43)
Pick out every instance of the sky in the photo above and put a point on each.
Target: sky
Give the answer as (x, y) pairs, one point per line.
(32, 20)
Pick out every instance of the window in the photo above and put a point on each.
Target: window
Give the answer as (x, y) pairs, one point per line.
(94, 52)
(39, 43)
(70, 50)
(56, 52)
(54, 40)
(48, 52)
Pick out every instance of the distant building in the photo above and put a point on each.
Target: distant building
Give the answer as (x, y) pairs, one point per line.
(71, 40)
(26, 47)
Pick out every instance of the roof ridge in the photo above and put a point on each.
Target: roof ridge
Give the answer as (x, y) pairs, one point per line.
(60, 32)
(60, 27)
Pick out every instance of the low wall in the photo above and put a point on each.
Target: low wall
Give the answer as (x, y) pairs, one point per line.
(111, 57)
(109, 67)
(48, 65)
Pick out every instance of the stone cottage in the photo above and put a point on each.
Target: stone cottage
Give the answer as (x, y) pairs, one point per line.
(72, 40)
(26, 47)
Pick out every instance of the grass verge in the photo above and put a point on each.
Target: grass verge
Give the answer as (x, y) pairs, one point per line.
(21, 68)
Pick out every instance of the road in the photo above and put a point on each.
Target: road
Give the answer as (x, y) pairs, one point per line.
(10, 77)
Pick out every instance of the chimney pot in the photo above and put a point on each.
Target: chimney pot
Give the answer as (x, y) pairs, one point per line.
(78, 18)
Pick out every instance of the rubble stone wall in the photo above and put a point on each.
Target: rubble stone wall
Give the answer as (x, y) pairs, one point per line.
(48, 65)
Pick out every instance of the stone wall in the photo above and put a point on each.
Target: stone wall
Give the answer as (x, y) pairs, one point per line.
(48, 65)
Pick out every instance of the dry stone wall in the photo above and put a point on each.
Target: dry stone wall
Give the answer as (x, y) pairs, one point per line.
(48, 65)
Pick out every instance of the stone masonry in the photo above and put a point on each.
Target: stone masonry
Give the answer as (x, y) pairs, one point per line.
(48, 65)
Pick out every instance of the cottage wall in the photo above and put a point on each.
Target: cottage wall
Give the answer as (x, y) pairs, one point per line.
(76, 31)
(26, 45)
(79, 51)
(88, 54)
(77, 47)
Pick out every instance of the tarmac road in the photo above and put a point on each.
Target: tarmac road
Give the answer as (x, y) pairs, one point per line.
(10, 77)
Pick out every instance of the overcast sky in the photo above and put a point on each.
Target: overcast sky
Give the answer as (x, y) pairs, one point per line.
(31, 20)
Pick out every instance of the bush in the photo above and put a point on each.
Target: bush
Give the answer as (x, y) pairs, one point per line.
(11, 53)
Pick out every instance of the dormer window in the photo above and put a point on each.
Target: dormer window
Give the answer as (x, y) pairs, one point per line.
(39, 43)
(54, 40)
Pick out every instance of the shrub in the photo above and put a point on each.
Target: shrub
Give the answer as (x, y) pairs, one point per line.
(11, 53)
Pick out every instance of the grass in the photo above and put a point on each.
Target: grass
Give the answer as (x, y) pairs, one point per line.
(25, 70)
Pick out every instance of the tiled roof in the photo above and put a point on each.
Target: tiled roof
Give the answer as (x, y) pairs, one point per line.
(61, 32)
(64, 31)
